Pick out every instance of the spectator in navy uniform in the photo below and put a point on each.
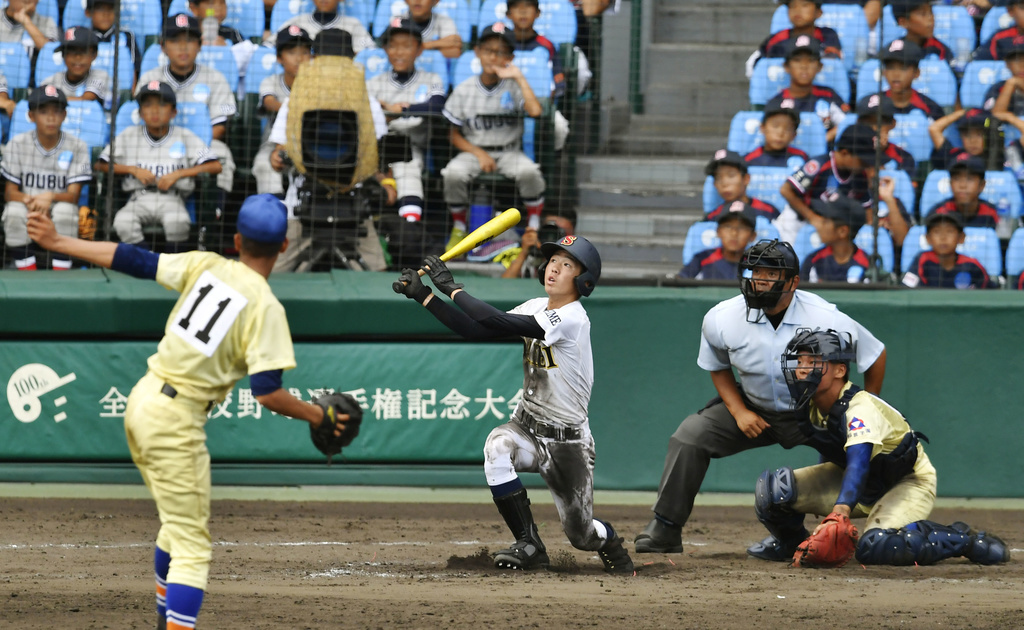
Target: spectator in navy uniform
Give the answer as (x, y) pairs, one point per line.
(778, 126)
(736, 230)
(524, 14)
(995, 48)
(967, 181)
(917, 18)
(900, 61)
(802, 15)
(893, 157)
(839, 259)
(942, 266)
(803, 63)
(974, 126)
(731, 181)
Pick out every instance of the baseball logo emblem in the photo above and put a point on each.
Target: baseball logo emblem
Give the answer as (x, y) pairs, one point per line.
(567, 241)
(64, 160)
(896, 45)
(294, 30)
(873, 100)
(70, 33)
(498, 27)
(50, 91)
(396, 22)
(811, 167)
(737, 206)
(787, 103)
(802, 41)
(720, 154)
(153, 85)
(181, 20)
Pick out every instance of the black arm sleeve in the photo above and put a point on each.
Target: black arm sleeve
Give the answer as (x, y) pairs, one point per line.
(498, 320)
(459, 322)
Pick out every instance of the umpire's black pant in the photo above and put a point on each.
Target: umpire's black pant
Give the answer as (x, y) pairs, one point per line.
(712, 433)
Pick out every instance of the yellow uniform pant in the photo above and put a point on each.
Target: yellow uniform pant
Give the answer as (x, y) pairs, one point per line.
(167, 440)
(910, 500)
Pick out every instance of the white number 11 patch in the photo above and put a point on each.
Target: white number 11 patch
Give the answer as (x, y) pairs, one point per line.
(208, 313)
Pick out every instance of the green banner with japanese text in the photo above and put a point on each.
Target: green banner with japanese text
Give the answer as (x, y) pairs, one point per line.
(423, 403)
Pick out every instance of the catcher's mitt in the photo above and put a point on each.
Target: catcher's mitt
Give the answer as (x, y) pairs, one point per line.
(323, 436)
(832, 546)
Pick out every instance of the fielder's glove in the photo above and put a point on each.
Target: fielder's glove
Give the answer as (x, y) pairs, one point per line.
(323, 436)
(440, 276)
(410, 285)
(831, 546)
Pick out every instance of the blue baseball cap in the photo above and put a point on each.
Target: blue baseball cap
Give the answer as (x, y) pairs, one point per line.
(263, 218)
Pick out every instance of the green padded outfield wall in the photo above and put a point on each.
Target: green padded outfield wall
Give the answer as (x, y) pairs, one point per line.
(73, 344)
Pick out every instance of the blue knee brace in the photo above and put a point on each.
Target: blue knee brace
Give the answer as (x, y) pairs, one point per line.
(774, 493)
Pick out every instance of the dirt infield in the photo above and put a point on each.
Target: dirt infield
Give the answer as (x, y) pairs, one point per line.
(87, 564)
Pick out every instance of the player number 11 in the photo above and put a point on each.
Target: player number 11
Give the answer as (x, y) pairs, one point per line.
(204, 334)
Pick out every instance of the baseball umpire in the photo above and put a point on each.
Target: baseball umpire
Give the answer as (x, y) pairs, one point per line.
(873, 465)
(747, 333)
(226, 324)
(549, 432)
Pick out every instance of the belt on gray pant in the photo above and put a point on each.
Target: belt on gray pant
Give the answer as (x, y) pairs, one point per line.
(544, 430)
(170, 392)
(501, 147)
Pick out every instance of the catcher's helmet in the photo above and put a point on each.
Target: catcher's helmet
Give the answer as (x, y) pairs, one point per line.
(766, 254)
(585, 254)
(821, 347)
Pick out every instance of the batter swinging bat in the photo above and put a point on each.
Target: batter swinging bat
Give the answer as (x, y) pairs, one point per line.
(487, 231)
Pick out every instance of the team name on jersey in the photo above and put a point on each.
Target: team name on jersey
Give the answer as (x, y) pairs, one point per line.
(161, 169)
(48, 181)
(486, 123)
(537, 354)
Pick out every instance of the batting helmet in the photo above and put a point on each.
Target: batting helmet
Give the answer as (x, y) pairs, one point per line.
(766, 254)
(821, 347)
(585, 254)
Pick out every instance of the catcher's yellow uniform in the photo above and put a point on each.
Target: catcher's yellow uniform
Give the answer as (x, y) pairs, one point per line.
(869, 420)
(226, 324)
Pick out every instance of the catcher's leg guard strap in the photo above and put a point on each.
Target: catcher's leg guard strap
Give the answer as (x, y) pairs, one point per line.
(515, 509)
(774, 493)
(921, 542)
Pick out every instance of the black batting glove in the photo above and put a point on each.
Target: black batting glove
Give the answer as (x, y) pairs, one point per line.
(440, 275)
(412, 287)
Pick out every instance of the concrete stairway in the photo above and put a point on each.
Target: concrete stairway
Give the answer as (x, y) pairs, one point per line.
(638, 200)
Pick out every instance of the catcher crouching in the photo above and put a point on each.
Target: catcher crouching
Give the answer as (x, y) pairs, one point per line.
(873, 465)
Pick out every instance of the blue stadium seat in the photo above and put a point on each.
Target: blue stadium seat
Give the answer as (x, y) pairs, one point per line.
(849, 22)
(434, 61)
(978, 77)
(1001, 190)
(904, 188)
(806, 242)
(557, 19)
(457, 10)
(911, 134)
(1015, 255)
(178, 6)
(710, 196)
(811, 137)
(262, 64)
(49, 62)
(937, 80)
(219, 57)
(765, 184)
(770, 78)
(245, 15)
(193, 116)
(935, 189)
(375, 61)
(15, 64)
(995, 20)
(780, 20)
(536, 67)
(766, 230)
(285, 10)
(142, 17)
(125, 67)
(745, 132)
(74, 14)
(865, 239)
(85, 120)
(701, 236)
(979, 242)
(954, 27)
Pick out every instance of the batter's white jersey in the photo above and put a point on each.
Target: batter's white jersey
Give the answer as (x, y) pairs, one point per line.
(97, 81)
(487, 117)
(205, 85)
(361, 38)
(37, 170)
(179, 149)
(559, 369)
(420, 87)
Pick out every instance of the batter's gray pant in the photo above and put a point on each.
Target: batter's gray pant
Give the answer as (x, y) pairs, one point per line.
(168, 209)
(267, 179)
(712, 433)
(64, 215)
(567, 467)
(464, 168)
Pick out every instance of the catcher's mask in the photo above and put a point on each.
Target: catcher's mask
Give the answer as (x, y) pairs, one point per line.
(813, 350)
(766, 254)
(585, 254)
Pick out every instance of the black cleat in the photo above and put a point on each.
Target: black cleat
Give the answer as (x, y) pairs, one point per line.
(773, 549)
(658, 537)
(614, 556)
(523, 555)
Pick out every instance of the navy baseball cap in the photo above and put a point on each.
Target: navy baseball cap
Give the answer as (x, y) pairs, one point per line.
(969, 163)
(498, 29)
(904, 51)
(870, 105)
(399, 25)
(45, 95)
(739, 210)
(724, 156)
(263, 218)
(781, 105)
(803, 44)
(292, 36)
(842, 210)
(973, 117)
(902, 8)
(79, 37)
(157, 88)
(935, 218)
(333, 42)
(786, 2)
(859, 140)
(181, 23)
(1014, 48)
(92, 4)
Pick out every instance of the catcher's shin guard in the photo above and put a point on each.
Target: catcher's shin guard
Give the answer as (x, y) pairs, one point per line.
(614, 556)
(774, 493)
(928, 542)
(528, 552)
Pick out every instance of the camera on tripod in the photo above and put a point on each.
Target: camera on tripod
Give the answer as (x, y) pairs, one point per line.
(550, 232)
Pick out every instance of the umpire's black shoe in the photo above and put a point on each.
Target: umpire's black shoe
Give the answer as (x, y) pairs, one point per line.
(659, 538)
(773, 549)
(522, 555)
(614, 556)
